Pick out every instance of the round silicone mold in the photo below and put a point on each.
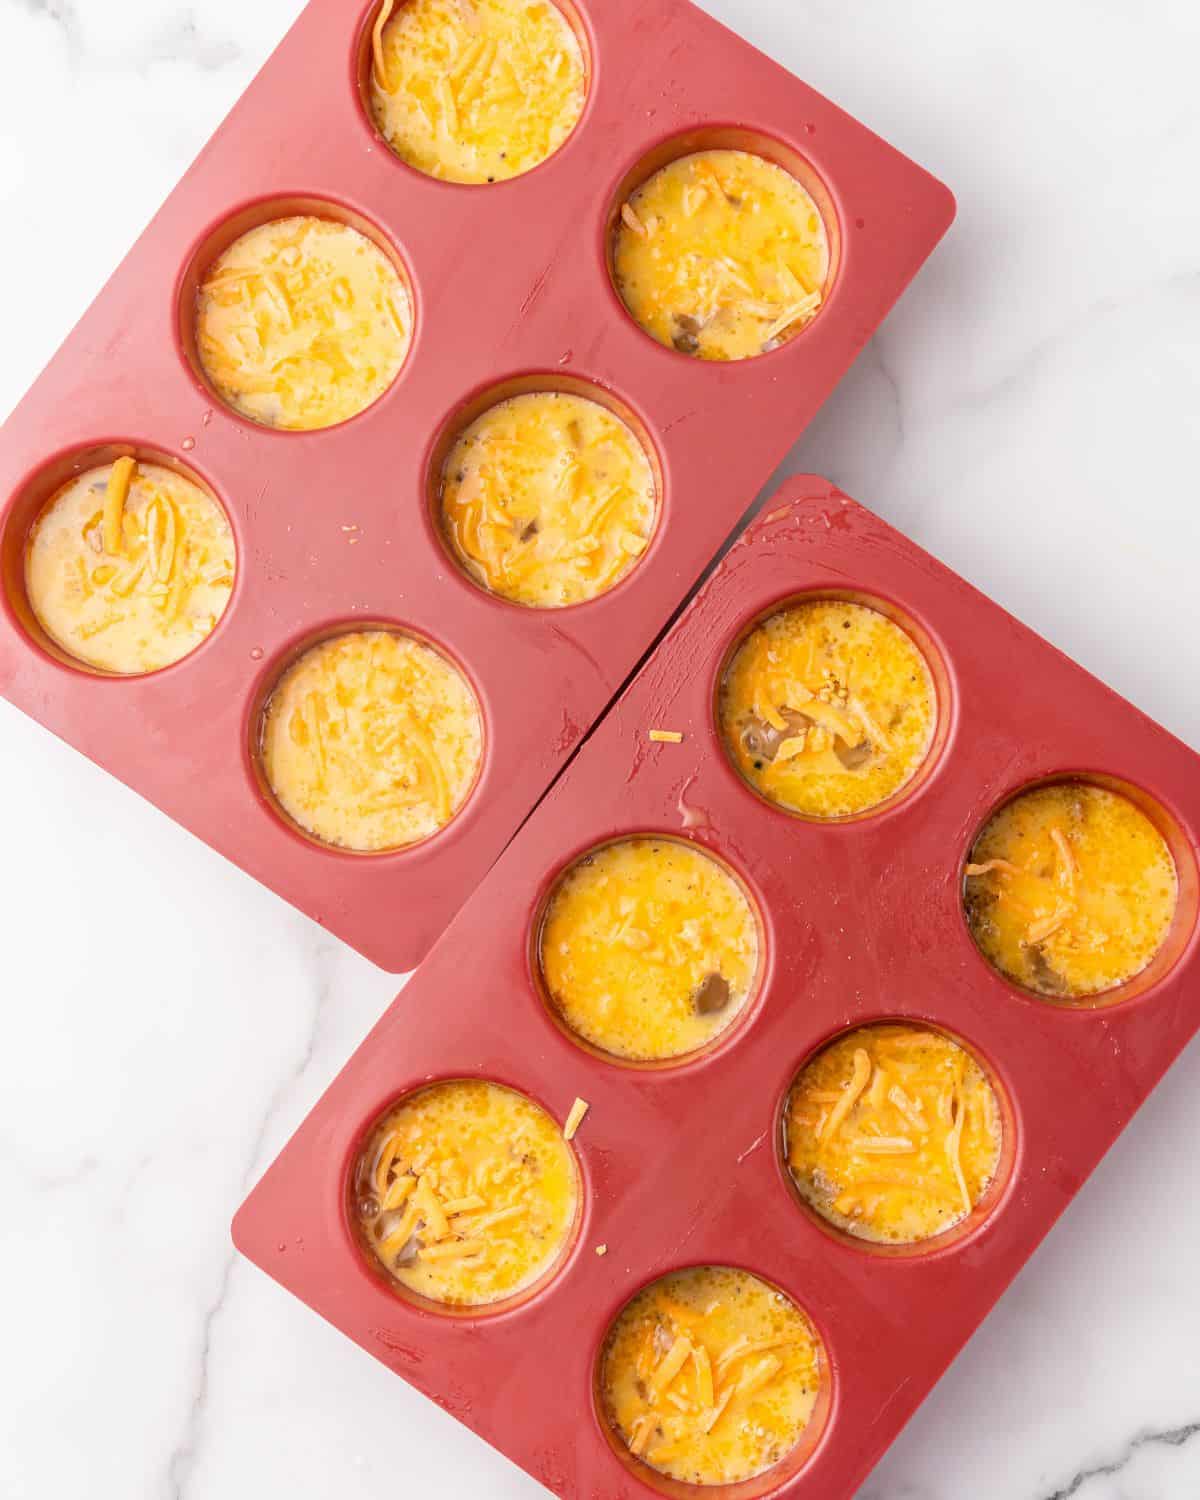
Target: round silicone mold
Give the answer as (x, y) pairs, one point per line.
(370, 1265)
(716, 1045)
(1180, 933)
(272, 674)
(726, 137)
(219, 236)
(957, 1235)
(27, 505)
(530, 383)
(761, 1486)
(934, 658)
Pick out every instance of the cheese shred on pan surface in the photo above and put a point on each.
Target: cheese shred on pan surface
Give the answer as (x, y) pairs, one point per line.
(710, 1375)
(893, 1133)
(466, 1193)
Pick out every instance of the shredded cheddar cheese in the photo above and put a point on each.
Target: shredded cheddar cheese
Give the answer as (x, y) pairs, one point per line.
(548, 499)
(649, 948)
(828, 708)
(666, 736)
(302, 323)
(115, 494)
(466, 1193)
(710, 1375)
(893, 1133)
(129, 567)
(721, 255)
(371, 740)
(475, 90)
(1070, 890)
(575, 1119)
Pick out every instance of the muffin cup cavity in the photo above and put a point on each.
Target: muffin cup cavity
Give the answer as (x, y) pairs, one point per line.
(934, 661)
(257, 214)
(277, 675)
(30, 504)
(1176, 934)
(964, 1228)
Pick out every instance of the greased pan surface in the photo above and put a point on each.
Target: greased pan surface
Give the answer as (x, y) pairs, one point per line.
(511, 291)
(862, 921)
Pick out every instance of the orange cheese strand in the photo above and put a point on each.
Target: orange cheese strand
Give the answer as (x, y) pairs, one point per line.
(115, 495)
(380, 71)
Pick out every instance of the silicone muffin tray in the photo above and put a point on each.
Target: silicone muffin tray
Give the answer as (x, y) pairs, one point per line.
(862, 921)
(511, 291)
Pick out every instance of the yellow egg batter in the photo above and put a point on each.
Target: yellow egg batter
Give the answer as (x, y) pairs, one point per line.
(371, 740)
(129, 566)
(475, 90)
(548, 499)
(893, 1133)
(828, 708)
(649, 948)
(710, 1375)
(466, 1193)
(721, 255)
(1070, 890)
(302, 323)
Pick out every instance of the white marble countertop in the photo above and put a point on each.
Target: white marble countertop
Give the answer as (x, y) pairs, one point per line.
(1028, 414)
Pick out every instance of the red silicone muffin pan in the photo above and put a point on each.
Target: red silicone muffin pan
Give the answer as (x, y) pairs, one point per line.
(511, 291)
(862, 921)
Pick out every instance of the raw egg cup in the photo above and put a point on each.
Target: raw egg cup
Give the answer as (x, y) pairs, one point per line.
(511, 291)
(862, 921)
